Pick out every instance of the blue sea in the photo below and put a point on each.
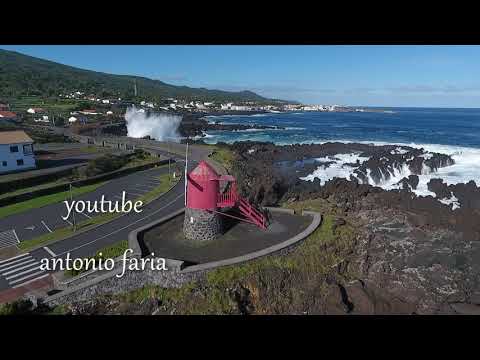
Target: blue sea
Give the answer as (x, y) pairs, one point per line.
(457, 127)
(455, 132)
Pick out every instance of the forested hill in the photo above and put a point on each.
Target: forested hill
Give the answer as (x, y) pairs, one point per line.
(25, 75)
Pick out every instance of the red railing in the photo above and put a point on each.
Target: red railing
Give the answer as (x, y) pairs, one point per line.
(228, 198)
(251, 213)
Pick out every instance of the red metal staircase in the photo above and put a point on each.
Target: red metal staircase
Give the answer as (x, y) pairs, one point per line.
(230, 198)
(251, 213)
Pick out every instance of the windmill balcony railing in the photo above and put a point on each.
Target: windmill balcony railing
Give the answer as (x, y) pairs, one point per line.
(228, 198)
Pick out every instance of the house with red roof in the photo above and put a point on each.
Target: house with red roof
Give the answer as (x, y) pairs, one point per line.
(7, 115)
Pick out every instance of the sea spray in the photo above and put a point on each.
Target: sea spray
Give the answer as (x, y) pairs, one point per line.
(158, 126)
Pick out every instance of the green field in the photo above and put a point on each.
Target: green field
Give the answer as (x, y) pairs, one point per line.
(223, 156)
(23, 103)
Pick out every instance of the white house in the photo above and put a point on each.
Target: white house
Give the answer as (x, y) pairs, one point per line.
(35, 110)
(16, 151)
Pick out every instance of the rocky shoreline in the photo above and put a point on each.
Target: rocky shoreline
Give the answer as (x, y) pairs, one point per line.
(413, 248)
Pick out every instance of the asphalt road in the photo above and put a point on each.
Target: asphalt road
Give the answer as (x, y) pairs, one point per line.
(40, 221)
(25, 268)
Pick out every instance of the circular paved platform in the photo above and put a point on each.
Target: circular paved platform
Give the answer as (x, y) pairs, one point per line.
(166, 240)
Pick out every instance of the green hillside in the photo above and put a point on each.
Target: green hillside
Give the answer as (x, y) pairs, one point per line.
(22, 75)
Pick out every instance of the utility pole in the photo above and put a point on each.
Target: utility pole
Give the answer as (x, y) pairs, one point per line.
(168, 150)
(73, 212)
(186, 169)
(135, 87)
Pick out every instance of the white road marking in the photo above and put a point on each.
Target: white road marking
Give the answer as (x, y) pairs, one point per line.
(15, 266)
(88, 216)
(23, 272)
(123, 228)
(29, 281)
(136, 194)
(67, 221)
(11, 262)
(46, 227)
(8, 238)
(16, 236)
(13, 258)
(47, 249)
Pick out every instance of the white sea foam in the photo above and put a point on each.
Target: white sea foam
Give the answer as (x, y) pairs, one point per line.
(452, 200)
(158, 126)
(465, 169)
(339, 169)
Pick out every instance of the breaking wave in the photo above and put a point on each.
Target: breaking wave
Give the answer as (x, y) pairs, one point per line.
(158, 126)
(465, 168)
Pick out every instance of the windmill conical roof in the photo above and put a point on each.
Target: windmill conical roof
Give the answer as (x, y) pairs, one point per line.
(204, 170)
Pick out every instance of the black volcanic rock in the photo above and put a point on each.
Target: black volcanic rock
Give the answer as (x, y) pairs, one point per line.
(439, 188)
(468, 194)
(409, 183)
(438, 161)
(282, 166)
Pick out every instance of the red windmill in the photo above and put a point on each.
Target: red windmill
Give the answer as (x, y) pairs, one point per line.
(207, 192)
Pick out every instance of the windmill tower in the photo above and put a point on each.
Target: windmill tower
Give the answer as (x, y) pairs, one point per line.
(204, 199)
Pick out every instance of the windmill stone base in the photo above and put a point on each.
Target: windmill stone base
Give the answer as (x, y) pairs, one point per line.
(201, 225)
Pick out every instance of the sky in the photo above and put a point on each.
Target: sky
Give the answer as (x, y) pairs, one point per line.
(401, 75)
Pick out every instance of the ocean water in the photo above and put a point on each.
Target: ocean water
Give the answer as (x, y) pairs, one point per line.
(455, 132)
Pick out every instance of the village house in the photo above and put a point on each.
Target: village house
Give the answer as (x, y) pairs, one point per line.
(89, 112)
(8, 115)
(35, 110)
(16, 151)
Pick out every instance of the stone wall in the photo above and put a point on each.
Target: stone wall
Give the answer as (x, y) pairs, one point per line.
(201, 225)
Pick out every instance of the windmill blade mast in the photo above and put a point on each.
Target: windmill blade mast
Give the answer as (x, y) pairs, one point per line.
(186, 169)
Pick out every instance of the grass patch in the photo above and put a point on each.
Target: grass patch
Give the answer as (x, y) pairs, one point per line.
(62, 233)
(34, 188)
(223, 156)
(46, 200)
